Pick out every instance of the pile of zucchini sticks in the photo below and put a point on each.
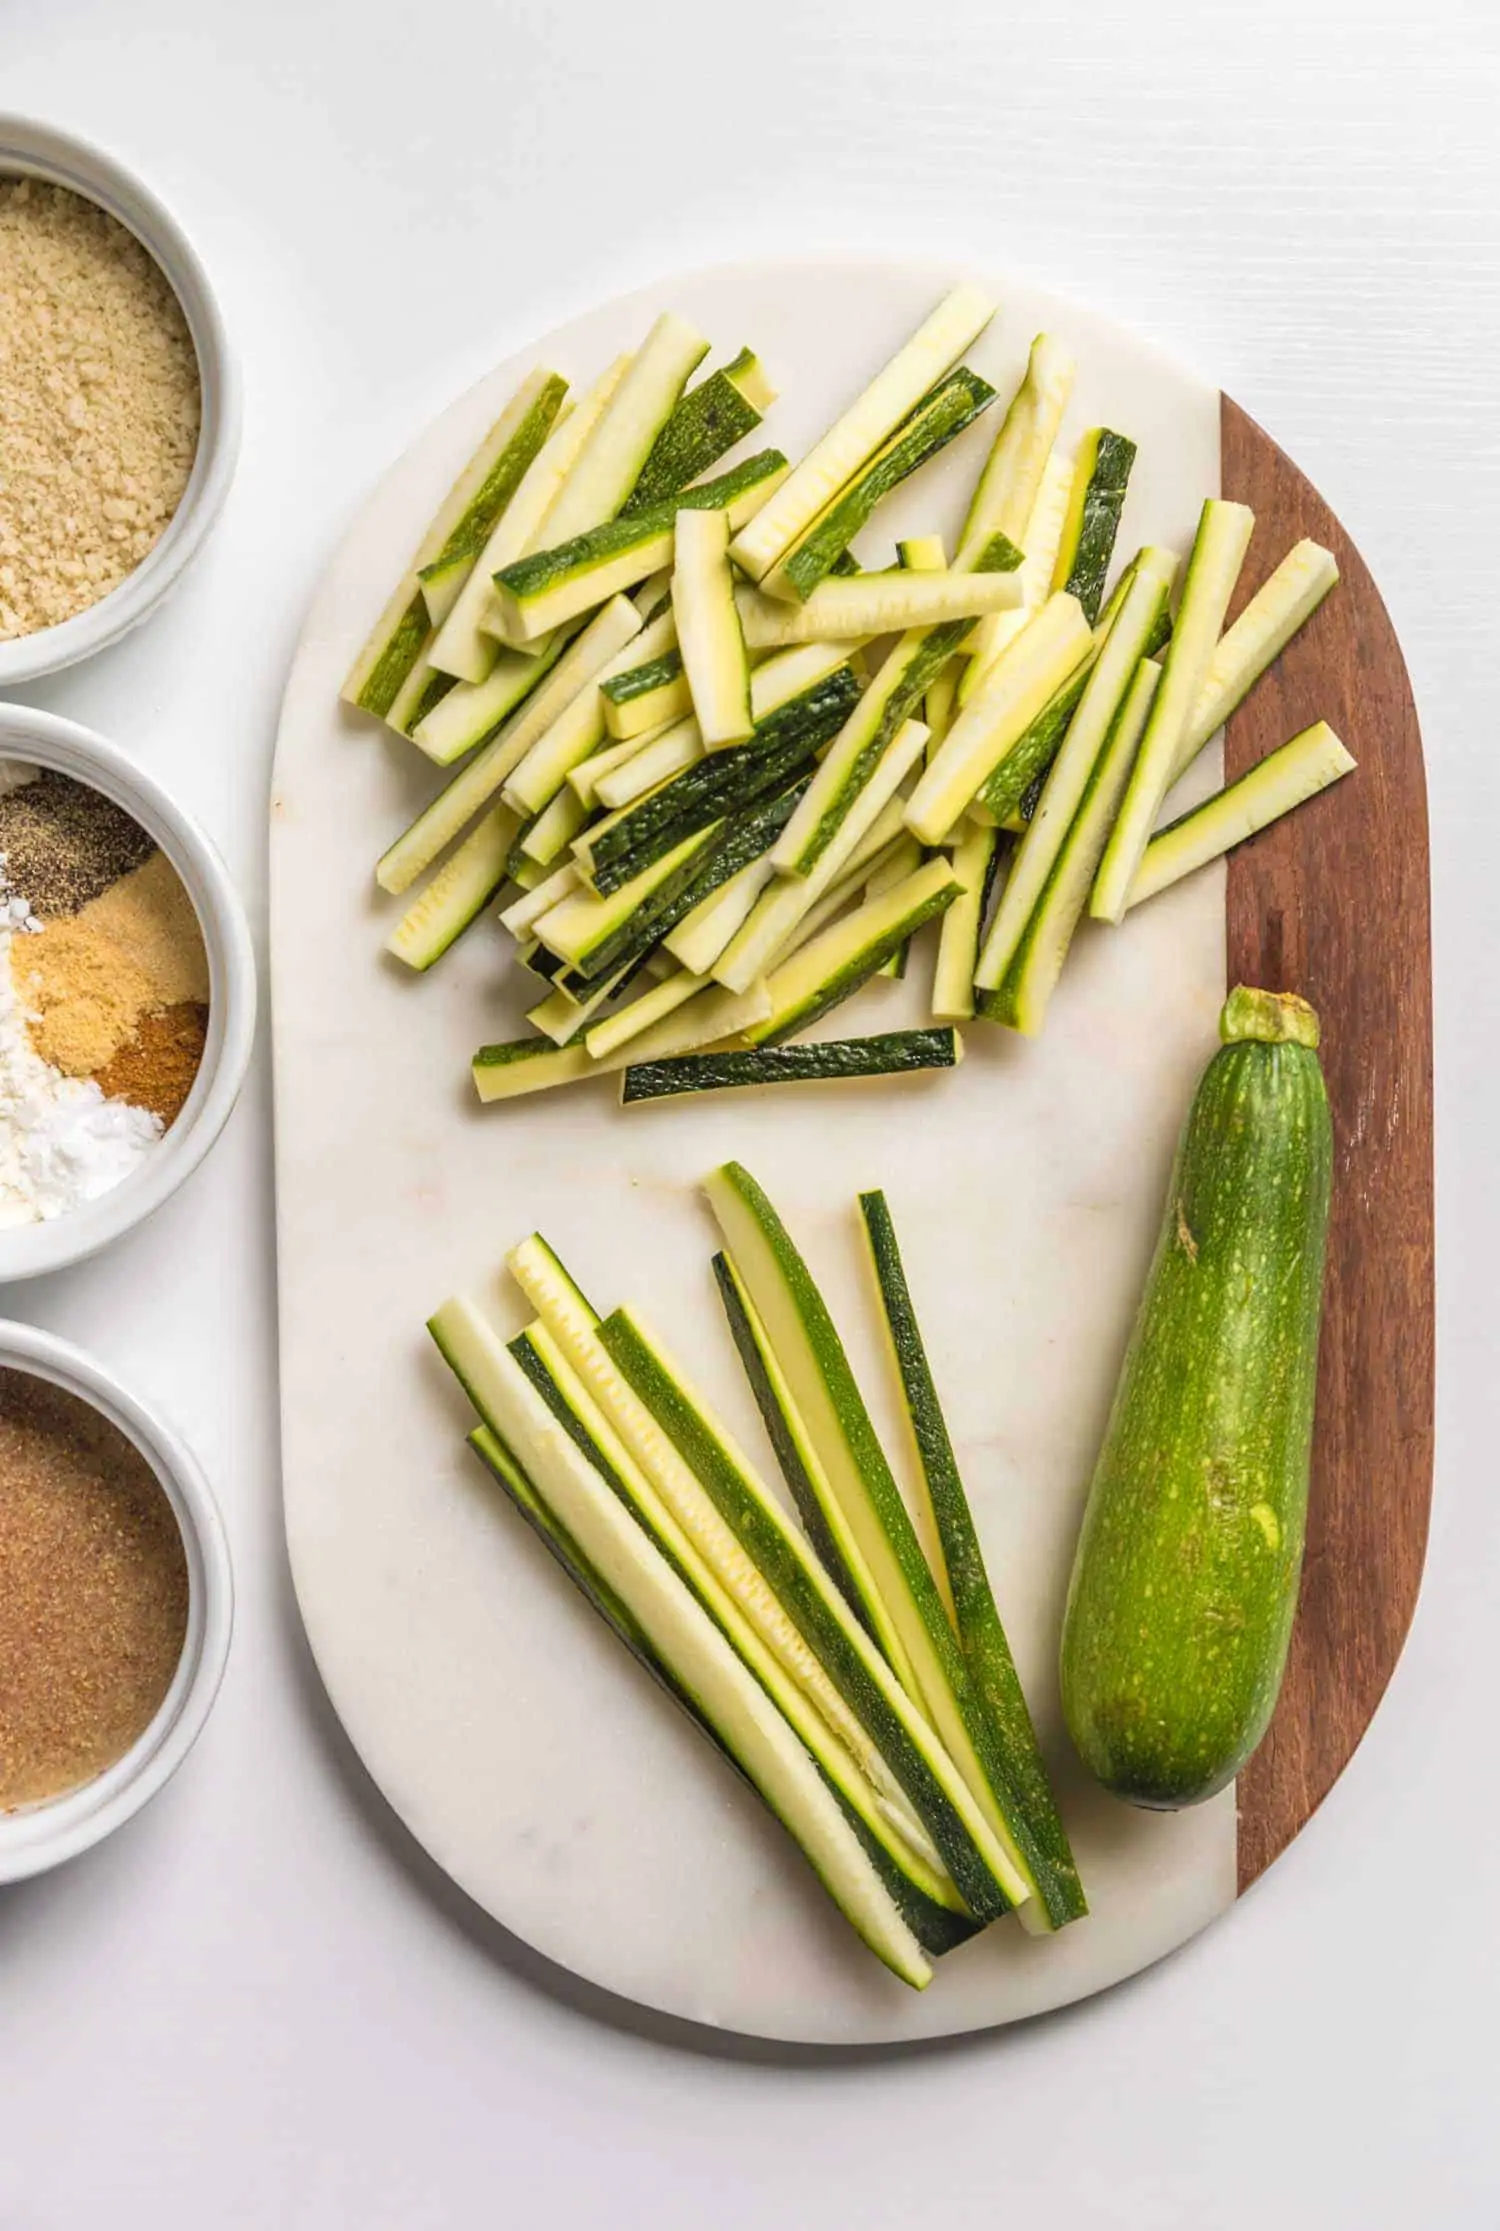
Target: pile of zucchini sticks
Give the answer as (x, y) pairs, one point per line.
(861, 1683)
(719, 774)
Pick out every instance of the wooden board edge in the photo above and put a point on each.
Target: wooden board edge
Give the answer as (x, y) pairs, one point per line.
(1333, 902)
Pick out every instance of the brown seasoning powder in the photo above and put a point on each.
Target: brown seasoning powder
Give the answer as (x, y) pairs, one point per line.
(100, 404)
(93, 1591)
(158, 1068)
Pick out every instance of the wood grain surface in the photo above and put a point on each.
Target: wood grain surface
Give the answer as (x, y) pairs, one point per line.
(1333, 903)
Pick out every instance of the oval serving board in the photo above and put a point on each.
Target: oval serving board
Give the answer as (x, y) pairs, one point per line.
(525, 1752)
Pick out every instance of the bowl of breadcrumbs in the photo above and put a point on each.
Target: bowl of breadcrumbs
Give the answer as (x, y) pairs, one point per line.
(119, 416)
(116, 1602)
(127, 993)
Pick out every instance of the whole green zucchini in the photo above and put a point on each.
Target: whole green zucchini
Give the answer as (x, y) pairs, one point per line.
(1185, 1580)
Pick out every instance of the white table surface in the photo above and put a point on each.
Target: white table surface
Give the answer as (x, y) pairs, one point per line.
(258, 2008)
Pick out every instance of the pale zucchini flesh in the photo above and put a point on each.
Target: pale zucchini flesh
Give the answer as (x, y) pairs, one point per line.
(494, 476)
(1016, 688)
(709, 635)
(1284, 779)
(1006, 493)
(571, 670)
(548, 834)
(1109, 681)
(520, 1066)
(460, 890)
(939, 417)
(832, 462)
(812, 1357)
(1218, 553)
(551, 586)
(403, 631)
(1044, 532)
(832, 966)
(468, 714)
(1279, 607)
(578, 730)
(681, 1632)
(464, 645)
(420, 694)
(1023, 996)
(655, 761)
(738, 1552)
(612, 458)
(974, 859)
(868, 604)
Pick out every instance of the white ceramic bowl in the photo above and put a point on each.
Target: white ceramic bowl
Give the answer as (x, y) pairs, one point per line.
(36, 150)
(46, 741)
(40, 1836)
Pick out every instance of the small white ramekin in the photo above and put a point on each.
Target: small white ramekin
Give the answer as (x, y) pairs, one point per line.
(46, 741)
(37, 1837)
(37, 150)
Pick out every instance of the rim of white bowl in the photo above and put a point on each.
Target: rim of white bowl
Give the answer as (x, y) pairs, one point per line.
(31, 148)
(36, 1837)
(45, 740)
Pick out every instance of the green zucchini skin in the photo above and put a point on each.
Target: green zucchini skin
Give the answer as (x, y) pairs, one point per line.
(1185, 1580)
(705, 425)
(893, 1053)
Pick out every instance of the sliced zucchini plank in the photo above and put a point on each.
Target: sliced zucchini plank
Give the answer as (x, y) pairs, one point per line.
(462, 715)
(833, 966)
(541, 591)
(1285, 778)
(892, 1053)
(1101, 477)
(1110, 677)
(705, 425)
(1007, 489)
(1022, 998)
(942, 414)
(646, 696)
(866, 604)
(1033, 578)
(1219, 548)
(899, 688)
(1016, 688)
(871, 419)
(1280, 606)
(673, 749)
(680, 1632)
(513, 446)
(465, 646)
(577, 732)
(749, 1567)
(1011, 1757)
(907, 1747)
(910, 1611)
(616, 451)
(460, 890)
(784, 904)
(975, 860)
(710, 638)
(404, 628)
(473, 787)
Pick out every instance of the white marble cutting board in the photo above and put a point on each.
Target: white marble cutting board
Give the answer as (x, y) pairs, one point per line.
(539, 1767)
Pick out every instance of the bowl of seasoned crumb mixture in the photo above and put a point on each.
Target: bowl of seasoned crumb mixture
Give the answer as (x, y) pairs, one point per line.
(119, 413)
(116, 1602)
(127, 993)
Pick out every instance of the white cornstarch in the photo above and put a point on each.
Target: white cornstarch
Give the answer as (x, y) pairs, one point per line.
(61, 1141)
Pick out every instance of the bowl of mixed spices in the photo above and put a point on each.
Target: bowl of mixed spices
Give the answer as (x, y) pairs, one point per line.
(116, 1602)
(127, 993)
(119, 408)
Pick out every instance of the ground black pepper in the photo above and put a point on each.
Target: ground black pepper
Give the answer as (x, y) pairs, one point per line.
(65, 844)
